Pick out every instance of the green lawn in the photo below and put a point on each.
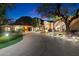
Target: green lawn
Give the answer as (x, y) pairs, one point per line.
(9, 40)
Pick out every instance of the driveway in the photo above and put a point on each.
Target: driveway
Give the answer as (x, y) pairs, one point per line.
(35, 44)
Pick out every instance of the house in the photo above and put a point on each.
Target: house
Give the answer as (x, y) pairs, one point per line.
(26, 22)
(59, 25)
(27, 28)
(74, 25)
(48, 25)
(12, 28)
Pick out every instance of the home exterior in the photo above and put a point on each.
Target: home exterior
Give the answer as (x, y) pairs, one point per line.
(59, 25)
(16, 28)
(74, 26)
(27, 28)
(48, 25)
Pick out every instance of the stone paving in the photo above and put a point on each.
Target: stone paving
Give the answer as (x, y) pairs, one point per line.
(37, 44)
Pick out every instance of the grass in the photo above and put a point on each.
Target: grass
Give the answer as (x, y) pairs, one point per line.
(9, 40)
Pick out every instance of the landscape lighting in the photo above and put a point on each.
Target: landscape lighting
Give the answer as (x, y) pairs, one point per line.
(6, 34)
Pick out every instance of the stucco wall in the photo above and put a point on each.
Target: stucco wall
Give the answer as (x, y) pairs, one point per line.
(75, 24)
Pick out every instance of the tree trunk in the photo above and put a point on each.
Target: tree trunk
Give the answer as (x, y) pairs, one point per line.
(50, 25)
(50, 29)
(66, 21)
(53, 27)
(67, 29)
(67, 26)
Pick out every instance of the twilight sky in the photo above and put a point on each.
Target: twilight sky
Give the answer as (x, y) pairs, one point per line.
(28, 9)
(22, 9)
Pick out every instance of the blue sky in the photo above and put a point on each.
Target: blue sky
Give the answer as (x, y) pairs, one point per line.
(23, 10)
(28, 9)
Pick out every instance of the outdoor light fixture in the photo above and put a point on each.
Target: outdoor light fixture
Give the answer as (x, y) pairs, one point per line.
(74, 37)
(17, 27)
(6, 34)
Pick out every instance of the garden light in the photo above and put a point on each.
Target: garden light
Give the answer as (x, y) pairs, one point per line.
(74, 37)
(6, 34)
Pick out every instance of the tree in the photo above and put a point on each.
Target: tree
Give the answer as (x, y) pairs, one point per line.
(57, 9)
(37, 22)
(3, 10)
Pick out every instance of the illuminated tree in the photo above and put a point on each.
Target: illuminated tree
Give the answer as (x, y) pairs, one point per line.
(60, 10)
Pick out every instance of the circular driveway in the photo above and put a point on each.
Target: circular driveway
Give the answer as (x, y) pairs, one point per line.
(34, 44)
